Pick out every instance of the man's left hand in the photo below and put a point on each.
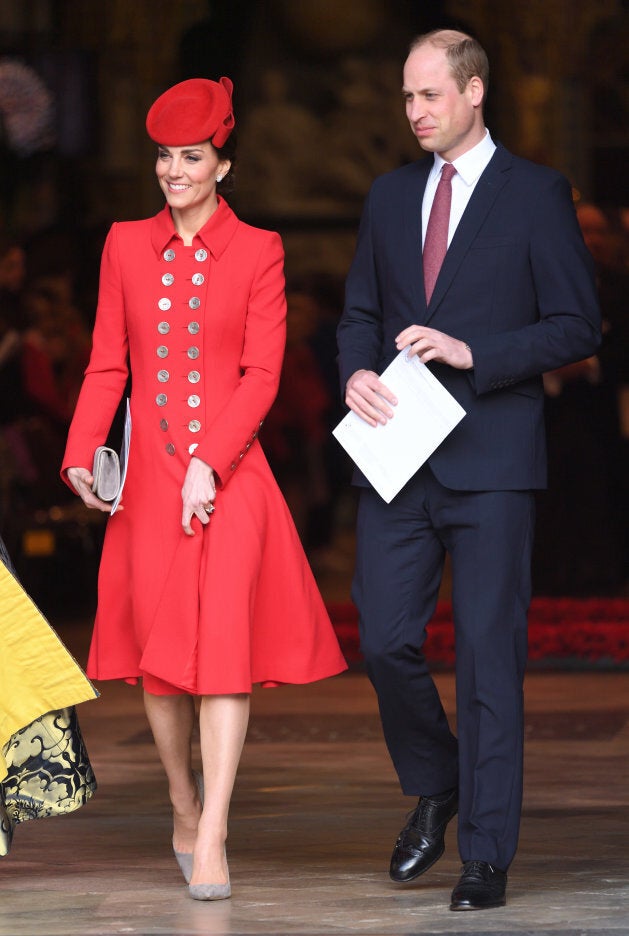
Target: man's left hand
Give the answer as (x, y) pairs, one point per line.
(432, 345)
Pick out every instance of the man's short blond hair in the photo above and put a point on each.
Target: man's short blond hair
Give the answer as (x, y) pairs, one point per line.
(466, 56)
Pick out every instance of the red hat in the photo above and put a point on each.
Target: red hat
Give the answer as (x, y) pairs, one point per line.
(193, 111)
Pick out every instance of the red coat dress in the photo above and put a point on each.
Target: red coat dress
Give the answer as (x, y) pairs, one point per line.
(203, 329)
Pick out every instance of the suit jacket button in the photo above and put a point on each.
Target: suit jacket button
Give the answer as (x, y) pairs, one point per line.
(170, 448)
(193, 353)
(164, 304)
(193, 328)
(161, 399)
(200, 255)
(194, 425)
(169, 255)
(198, 279)
(163, 424)
(194, 400)
(194, 303)
(192, 448)
(168, 279)
(163, 376)
(163, 328)
(162, 351)
(194, 376)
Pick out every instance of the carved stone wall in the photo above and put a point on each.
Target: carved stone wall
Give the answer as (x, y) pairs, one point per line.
(557, 65)
(317, 97)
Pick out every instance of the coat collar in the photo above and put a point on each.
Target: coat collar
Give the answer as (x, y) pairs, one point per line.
(215, 235)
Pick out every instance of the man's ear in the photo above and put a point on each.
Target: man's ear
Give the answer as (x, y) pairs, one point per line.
(476, 90)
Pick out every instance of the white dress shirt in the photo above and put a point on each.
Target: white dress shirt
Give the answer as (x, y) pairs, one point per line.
(469, 168)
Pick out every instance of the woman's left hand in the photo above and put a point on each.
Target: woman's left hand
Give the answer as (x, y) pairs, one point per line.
(198, 493)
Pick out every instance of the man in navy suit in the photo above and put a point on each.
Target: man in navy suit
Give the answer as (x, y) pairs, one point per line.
(514, 297)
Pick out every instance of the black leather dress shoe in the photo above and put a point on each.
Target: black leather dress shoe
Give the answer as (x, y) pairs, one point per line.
(480, 887)
(421, 841)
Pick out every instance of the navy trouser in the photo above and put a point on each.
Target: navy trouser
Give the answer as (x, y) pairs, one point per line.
(401, 549)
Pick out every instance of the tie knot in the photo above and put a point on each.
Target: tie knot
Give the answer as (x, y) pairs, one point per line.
(447, 172)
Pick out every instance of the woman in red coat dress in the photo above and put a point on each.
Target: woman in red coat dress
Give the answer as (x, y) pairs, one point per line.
(204, 588)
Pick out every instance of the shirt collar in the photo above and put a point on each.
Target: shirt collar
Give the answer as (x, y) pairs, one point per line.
(215, 235)
(472, 163)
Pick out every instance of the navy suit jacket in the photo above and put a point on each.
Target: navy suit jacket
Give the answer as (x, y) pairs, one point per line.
(517, 284)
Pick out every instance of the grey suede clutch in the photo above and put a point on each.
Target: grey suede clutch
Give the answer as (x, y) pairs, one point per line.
(106, 472)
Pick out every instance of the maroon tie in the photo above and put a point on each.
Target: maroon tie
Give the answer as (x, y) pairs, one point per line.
(436, 241)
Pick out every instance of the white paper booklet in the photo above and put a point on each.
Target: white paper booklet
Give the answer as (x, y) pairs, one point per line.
(124, 456)
(425, 414)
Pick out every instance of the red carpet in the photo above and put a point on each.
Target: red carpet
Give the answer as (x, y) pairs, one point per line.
(580, 632)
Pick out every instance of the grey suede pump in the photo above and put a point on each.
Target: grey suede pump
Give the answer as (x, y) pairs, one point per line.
(184, 859)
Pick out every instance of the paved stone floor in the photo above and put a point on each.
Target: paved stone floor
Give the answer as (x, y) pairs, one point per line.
(314, 817)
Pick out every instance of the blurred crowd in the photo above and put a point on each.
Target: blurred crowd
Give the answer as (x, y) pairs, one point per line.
(582, 541)
(47, 303)
(44, 348)
(45, 339)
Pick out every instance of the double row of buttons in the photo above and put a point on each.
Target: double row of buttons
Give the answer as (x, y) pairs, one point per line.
(163, 375)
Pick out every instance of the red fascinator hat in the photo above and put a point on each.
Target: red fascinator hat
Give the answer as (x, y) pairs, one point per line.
(193, 111)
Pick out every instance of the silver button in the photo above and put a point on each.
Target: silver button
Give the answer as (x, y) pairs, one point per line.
(164, 304)
(162, 351)
(194, 425)
(194, 400)
(170, 448)
(169, 255)
(161, 399)
(163, 328)
(193, 353)
(200, 255)
(194, 303)
(198, 279)
(194, 376)
(192, 448)
(168, 279)
(163, 424)
(163, 376)
(194, 328)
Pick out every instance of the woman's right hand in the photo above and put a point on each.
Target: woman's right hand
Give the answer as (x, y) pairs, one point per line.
(82, 480)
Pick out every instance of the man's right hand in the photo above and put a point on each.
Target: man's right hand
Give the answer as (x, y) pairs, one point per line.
(368, 397)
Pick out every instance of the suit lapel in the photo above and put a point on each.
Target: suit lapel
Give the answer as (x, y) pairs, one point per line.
(493, 178)
(412, 234)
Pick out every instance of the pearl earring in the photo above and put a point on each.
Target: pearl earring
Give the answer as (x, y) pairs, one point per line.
(219, 178)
